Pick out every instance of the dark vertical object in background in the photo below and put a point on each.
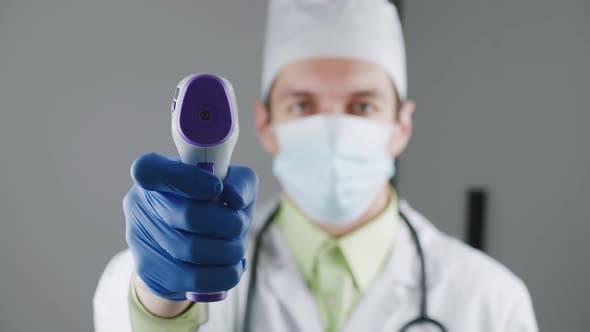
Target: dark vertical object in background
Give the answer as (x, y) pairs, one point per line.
(476, 197)
(476, 221)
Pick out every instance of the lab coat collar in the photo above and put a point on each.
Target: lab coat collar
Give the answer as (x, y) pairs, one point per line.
(404, 265)
(402, 269)
(292, 293)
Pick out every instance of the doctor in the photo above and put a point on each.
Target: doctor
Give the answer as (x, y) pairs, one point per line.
(337, 251)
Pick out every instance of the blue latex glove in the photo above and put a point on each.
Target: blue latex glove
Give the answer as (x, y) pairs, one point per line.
(181, 234)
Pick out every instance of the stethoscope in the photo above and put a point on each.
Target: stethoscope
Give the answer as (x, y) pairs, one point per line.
(420, 321)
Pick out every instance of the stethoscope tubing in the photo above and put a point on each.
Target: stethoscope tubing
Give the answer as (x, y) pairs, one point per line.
(422, 318)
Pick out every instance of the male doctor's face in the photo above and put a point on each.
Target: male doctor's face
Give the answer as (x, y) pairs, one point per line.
(333, 86)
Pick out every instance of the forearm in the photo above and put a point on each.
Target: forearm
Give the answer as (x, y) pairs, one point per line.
(156, 305)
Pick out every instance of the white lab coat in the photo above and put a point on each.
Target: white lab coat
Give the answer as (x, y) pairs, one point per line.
(468, 291)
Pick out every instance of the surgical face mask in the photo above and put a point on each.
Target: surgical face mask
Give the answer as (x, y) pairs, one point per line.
(333, 166)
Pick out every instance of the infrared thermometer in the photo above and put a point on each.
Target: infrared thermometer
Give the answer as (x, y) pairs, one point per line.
(205, 130)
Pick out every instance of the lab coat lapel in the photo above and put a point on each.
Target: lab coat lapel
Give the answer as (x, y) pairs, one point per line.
(288, 285)
(386, 294)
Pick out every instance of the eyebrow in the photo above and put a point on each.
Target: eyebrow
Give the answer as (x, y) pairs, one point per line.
(367, 94)
(357, 94)
(294, 93)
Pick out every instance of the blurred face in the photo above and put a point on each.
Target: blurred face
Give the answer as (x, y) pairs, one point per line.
(333, 86)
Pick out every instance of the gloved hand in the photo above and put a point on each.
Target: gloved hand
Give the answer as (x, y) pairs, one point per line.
(185, 228)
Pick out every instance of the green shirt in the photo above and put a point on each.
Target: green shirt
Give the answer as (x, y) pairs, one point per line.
(361, 253)
(144, 321)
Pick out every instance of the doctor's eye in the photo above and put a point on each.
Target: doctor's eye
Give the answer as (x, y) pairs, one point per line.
(301, 108)
(362, 108)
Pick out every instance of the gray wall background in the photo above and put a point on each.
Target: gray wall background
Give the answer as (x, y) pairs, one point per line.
(85, 87)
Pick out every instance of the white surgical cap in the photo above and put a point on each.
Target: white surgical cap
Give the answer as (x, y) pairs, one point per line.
(367, 30)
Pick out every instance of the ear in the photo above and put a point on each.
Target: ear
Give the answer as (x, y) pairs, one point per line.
(403, 130)
(266, 136)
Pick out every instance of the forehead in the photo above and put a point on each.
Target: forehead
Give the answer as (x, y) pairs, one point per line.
(332, 76)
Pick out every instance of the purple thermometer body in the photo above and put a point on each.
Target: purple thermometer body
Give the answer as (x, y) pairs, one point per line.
(205, 130)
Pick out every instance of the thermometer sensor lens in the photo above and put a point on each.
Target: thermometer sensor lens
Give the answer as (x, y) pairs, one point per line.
(205, 115)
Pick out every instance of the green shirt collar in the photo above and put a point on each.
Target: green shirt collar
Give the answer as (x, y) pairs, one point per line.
(366, 249)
